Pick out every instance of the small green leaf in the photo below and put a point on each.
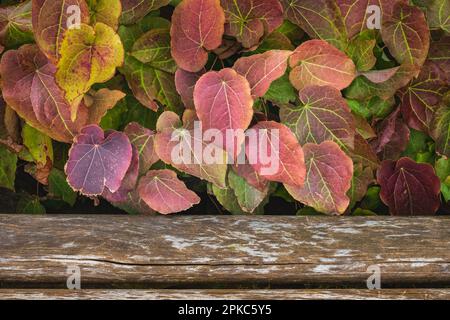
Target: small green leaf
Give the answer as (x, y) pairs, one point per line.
(30, 205)
(8, 165)
(281, 91)
(58, 187)
(38, 144)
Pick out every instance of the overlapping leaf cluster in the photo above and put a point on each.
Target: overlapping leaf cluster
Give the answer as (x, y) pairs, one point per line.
(93, 92)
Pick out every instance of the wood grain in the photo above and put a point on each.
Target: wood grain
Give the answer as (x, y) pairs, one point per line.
(133, 252)
(226, 294)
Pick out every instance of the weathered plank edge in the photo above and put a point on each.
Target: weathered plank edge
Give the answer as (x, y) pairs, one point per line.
(285, 294)
(126, 252)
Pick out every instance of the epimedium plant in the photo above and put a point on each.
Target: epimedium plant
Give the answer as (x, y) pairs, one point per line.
(93, 92)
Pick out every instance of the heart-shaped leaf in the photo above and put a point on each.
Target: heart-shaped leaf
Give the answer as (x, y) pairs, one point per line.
(329, 172)
(319, 18)
(323, 114)
(285, 161)
(316, 62)
(421, 98)
(406, 34)
(51, 20)
(197, 26)
(261, 70)
(143, 140)
(164, 192)
(89, 55)
(15, 24)
(135, 10)
(249, 20)
(184, 150)
(224, 102)
(98, 161)
(409, 188)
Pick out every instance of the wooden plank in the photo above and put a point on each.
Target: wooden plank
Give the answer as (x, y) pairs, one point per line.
(226, 294)
(223, 251)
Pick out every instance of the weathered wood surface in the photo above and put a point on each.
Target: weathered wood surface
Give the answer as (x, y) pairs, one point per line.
(130, 252)
(226, 294)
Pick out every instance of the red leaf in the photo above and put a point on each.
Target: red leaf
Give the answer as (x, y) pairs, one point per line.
(164, 192)
(287, 165)
(197, 26)
(409, 188)
(223, 101)
(318, 62)
(329, 173)
(261, 70)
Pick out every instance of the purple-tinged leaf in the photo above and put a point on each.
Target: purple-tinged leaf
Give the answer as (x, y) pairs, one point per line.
(393, 137)
(98, 161)
(380, 76)
(409, 188)
(423, 95)
(185, 83)
(164, 192)
(135, 10)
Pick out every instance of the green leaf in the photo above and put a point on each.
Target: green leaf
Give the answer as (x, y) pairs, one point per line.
(442, 168)
(105, 11)
(418, 145)
(308, 211)
(363, 212)
(59, 188)
(89, 55)
(227, 199)
(360, 49)
(248, 197)
(15, 25)
(281, 91)
(38, 144)
(8, 165)
(30, 205)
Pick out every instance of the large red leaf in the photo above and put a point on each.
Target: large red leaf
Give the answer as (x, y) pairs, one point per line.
(29, 87)
(409, 188)
(164, 192)
(329, 173)
(98, 161)
(318, 62)
(261, 70)
(281, 145)
(249, 20)
(224, 102)
(421, 98)
(323, 114)
(319, 18)
(50, 21)
(197, 26)
(172, 139)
